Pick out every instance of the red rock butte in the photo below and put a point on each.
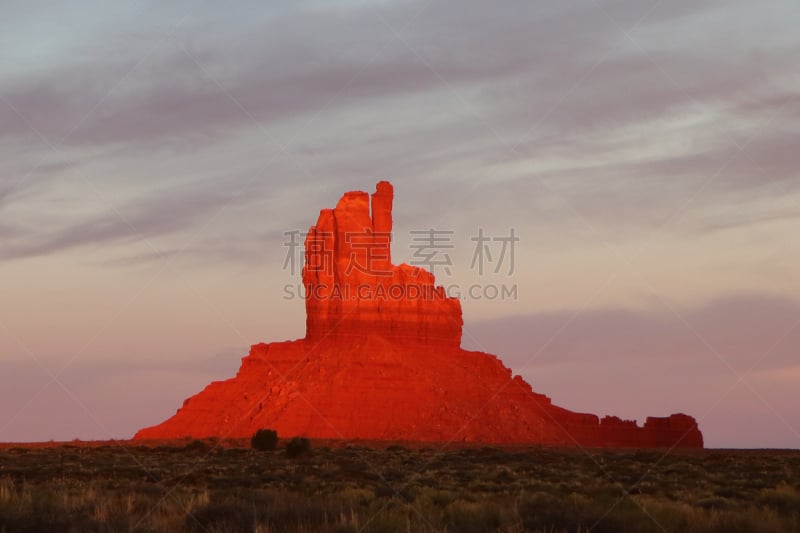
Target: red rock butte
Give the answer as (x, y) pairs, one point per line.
(382, 360)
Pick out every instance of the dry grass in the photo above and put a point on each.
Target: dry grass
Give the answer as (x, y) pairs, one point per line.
(199, 487)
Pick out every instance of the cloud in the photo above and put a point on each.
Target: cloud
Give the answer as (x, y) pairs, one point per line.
(789, 375)
(622, 131)
(32, 179)
(741, 329)
(158, 212)
(295, 64)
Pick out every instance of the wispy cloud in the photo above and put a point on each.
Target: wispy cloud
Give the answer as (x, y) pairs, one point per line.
(742, 328)
(155, 213)
(598, 101)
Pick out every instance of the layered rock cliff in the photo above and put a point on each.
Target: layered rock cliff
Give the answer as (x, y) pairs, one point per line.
(352, 287)
(381, 360)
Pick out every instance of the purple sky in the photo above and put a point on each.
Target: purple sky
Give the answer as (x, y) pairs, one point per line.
(645, 152)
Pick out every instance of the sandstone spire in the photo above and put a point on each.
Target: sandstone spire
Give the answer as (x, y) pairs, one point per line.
(352, 286)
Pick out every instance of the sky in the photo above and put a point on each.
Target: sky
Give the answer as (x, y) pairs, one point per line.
(154, 155)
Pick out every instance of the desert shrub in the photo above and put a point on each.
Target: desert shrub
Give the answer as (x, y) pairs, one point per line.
(264, 440)
(783, 498)
(577, 513)
(196, 445)
(7, 491)
(474, 517)
(357, 497)
(298, 446)
(225, 516)
(342, 528)
(387, 521)
(626, 517)
(714, 502)
(435, 497)
(544, 512)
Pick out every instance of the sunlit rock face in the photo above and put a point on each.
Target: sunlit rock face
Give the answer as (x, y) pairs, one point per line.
(352, 287)
(382, 360)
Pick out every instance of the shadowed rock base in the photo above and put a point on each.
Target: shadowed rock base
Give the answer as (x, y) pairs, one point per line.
(382, 361)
